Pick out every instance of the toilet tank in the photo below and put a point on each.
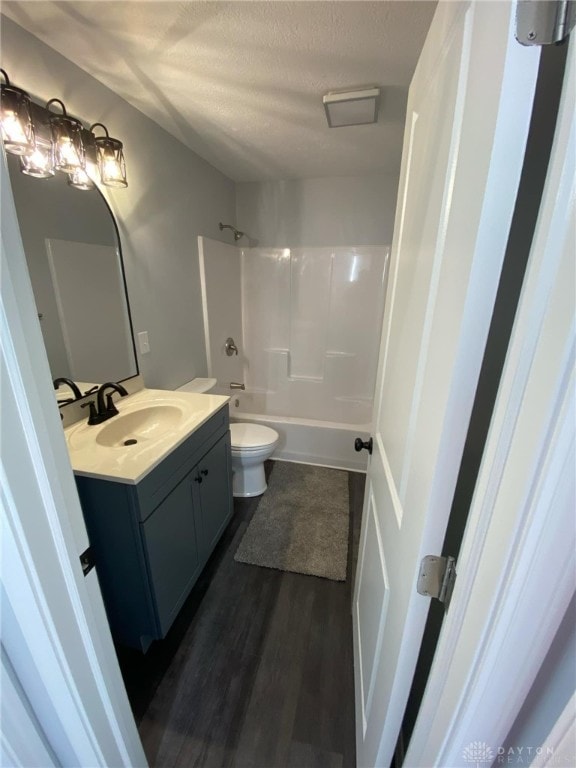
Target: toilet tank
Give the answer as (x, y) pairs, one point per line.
(198, 385)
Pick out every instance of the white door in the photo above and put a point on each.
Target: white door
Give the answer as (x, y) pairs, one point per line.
(518, 557)
(468, 114)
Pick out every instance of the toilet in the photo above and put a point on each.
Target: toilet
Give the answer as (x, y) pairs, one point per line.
(198, 385)
(252, 445)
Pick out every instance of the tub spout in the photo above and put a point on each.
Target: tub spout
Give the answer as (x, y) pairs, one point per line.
(237, 385)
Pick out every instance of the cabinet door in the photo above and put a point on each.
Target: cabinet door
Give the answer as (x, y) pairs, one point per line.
(171, 543)
(215, 493)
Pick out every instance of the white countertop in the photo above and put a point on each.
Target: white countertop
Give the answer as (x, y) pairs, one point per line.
(160, 419)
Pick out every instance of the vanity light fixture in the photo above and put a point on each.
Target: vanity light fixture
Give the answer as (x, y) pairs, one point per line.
(358, 107)
(80, 179)
(85, 178)
(69, 150)
(110, 158)
(15, 118)
(40, 164)
(49, 141)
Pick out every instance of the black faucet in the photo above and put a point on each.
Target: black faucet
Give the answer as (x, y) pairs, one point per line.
(101, 412)
(73, 386)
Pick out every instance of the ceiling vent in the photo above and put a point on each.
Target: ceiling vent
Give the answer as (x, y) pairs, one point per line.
(352, 107)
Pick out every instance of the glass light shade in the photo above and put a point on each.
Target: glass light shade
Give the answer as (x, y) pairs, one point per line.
(40, 163)
(69, 154)
(81, 180)
(111, 162)
(16, 121)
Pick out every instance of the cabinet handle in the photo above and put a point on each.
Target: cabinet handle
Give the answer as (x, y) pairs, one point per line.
(197, 479)
(204, 472)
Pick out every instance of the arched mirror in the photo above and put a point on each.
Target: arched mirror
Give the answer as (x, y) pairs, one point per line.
(75, 262)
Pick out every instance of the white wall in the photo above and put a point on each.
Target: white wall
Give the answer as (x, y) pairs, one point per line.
(173, 196)
(356, 210)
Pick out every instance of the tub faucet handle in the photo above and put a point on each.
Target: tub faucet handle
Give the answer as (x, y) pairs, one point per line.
(237, 385)
(230, 347)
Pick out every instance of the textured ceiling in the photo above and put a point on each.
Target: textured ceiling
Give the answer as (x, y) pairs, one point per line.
(241, 83)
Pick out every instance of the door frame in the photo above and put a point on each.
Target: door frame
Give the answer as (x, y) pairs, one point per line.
(503, 618)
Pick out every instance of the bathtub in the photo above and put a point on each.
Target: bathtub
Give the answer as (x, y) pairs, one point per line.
(307, 441)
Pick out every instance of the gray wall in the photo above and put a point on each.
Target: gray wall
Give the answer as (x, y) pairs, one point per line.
(356, 210)
(173, 196)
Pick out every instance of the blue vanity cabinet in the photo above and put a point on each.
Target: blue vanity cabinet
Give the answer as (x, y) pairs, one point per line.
(173, 551)
(151, 540)
(212, 495)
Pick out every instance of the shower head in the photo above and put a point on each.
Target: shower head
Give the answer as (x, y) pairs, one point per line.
(237, 233)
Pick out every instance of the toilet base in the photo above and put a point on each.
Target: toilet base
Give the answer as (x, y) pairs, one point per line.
(248, 481)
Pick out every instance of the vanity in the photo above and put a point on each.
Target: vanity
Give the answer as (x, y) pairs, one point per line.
(154, 508)
(154, 480)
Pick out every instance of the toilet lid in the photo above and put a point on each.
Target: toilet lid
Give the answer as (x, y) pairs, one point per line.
(251, 435)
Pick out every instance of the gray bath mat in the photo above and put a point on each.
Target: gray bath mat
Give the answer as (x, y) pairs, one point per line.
(301, 522)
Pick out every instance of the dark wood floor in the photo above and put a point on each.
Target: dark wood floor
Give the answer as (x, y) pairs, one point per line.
(257, 670)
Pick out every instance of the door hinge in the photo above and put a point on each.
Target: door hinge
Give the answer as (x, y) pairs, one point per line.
(437, 578)
(544, 22)
(87, 561)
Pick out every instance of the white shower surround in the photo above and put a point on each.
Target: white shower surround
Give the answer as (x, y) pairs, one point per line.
(307, 322)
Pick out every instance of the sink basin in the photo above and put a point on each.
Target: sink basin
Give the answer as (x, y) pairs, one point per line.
(143, 424)
(148, 423)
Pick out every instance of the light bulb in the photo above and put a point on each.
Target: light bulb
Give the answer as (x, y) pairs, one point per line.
(81, 180)
(40, 164)
(112, 169)
(15, 119)
(14, 135)
(68, 155)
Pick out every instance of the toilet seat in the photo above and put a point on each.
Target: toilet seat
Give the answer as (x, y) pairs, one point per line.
(251, 437)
